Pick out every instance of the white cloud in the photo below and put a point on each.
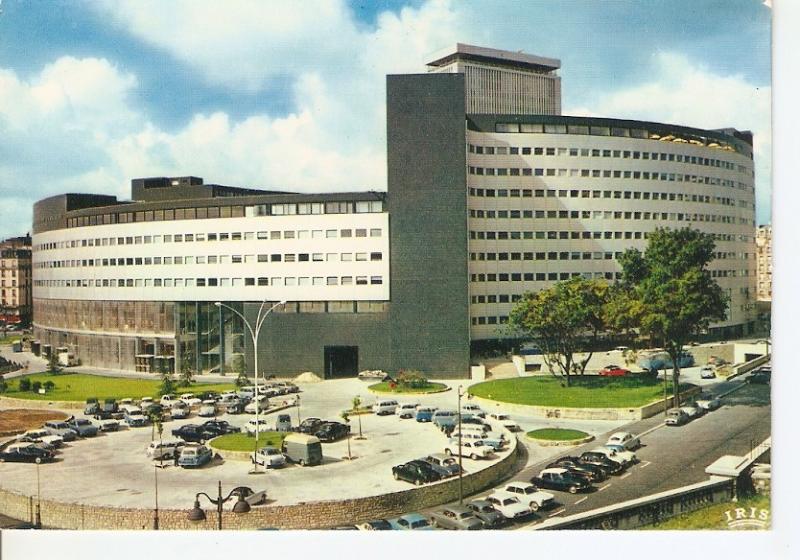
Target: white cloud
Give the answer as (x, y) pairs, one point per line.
(682, 92)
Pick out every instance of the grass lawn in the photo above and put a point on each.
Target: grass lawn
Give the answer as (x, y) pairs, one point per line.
(589, 392)
(557, 434)
(385, 388)
(245, 442)
(80, 386)
(713, 517)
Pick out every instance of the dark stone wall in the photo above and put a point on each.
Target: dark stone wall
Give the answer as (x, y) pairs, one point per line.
(429, 317)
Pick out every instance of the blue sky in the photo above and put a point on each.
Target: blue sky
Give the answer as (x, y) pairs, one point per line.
(290, 95)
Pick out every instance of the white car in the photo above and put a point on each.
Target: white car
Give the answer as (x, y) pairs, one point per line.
(208, 409)
(708, 402)
(250, 408)
(474, 449)
(165, 450)
(474, 409)
(250, 427)
(190, 399)
(529, 494)
(179, 410)
(625, 439)
(509, 505)
(407, 410)
(169, 400)
(618, 454)
(43, 436)
(505, 421)
(692, 411)
(269, 457)
(107, 425)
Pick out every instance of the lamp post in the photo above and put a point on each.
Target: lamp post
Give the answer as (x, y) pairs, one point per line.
(460, 458)
(241, 506)
(254, 334)
(297, 401)
(37, 522)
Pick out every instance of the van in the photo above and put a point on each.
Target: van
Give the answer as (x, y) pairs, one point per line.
(444, 418)
(385, 407)
(284, 423)
(169, 449)
(407, 410)
(303, 449)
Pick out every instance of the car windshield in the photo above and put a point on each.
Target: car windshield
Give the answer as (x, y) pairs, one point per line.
(419, 523)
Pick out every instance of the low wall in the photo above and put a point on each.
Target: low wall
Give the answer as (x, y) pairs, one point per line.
(635, 413)
(307, 515)
(748, 366)
(9, 402)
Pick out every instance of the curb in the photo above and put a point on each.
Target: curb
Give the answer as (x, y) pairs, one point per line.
(560, 443)
(394, 394)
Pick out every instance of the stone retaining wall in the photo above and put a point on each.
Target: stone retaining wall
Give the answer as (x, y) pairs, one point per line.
(308, 515)
(635, 413)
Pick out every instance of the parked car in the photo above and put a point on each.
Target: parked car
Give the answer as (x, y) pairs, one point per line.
(23, 440)
(456, 517)
(262, 403)
(625, 439)
(707, 372)
(529, 494)
(303, 449)
(283, 423)
(417, 472)
(134, 418)
(505, 421)
(407, 410)
(375, 525)
(309, 425)
(194, 433)
(237, 407)
(179, 410)
(708, 402)
(251, 497)
(444, 418)
(473, 409)
(41, 435)
(59, 428)
(165, 450)
(107, 425)
(759, 378)
(601, 460)
(411, 521)
(194, 455)
(169, 400)
(474, 449)
(592, 473)
(613, 370)
(25, 453)
(373, 375)
(425, 414)
(83, 426)
(385, 406)
(269, 457)
(676, 417)
(509, 505)
(209, 396)
(485, 511)
(691, 411)
(208, 409)
(190, 399)
(561, 479)
(92, 407)
(221, 427)
(618, 454)
(145, 403)
(476, 423)
(445, 465)
(250, 427)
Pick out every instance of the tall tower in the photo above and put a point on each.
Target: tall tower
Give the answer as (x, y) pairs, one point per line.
(503, 82)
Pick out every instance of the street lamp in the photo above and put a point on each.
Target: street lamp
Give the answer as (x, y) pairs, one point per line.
(37, 523)
(297, 402)
(460, 458)
(254, 334)
(241, 506)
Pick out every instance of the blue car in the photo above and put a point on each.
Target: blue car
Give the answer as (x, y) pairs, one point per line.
(425, 414)
(412, 522)
(193, 455)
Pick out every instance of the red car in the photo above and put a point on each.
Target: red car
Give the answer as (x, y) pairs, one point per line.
(613, 371)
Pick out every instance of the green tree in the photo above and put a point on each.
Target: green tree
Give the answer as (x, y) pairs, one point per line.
(242, 380)
(24, 384)
(49, 386)
(672, 292)
(3, 385)
(52, 363)
(187, 370)
(346, 417)
(562, 320)
(35, 386)
(167, 386)
(356, 407)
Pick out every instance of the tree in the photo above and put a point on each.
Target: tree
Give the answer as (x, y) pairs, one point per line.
(3, 385)
(356, 407)
(346, 417)
(48, 386)
(561, 320)
(187, 370)
(167, 386)
(242, 380)
(672, 292)
(52, 364)
(35, 386)
(24, 384)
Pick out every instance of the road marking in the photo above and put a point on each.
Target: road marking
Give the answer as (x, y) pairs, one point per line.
(581, 500)
(653, 429)
(559, 512)
(626, 475)
(603, 487)
(645, 463)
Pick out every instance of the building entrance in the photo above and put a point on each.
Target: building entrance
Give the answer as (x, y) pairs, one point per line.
(341, 361)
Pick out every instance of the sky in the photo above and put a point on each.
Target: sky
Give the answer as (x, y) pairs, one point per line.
(291, 95)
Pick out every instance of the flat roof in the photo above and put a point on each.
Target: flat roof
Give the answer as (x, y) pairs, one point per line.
(511, 58)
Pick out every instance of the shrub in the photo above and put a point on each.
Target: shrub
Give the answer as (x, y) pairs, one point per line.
(35, 386)
(24, 384)
(3, 385)
(412, 379)
(242, 380)
(49, 386)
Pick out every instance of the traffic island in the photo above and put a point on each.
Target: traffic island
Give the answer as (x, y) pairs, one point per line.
(388, 388)
(239, 446)
(558, 436)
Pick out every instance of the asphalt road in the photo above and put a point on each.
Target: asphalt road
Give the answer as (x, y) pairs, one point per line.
(671, 457)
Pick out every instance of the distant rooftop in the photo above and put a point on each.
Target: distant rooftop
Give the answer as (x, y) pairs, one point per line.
(474, 53)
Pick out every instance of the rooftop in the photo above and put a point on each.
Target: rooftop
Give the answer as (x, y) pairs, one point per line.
(518, 59)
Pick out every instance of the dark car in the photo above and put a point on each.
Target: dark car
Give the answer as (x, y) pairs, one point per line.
(417, 472)
(601, 460)
(593, 473)
(220, 426)
(194, 433)
(107, 410)
(209, 396)
(331, 431)
(375, 525)
(309, 425)
(561, 479)
(759, 378)
(26, 454)
(485, 511)
(236, 407)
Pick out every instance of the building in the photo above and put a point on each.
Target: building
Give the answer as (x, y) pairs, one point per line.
(764, 252)
(485, 201)
(16, 295)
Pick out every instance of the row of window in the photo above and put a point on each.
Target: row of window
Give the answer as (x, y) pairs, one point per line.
(605, 174)
(558, 276)
(606, 215)
(491, 320)
(679, 137)
(302, 208)
(212, 282)
(562, 235)
(623, 154)
(619, 195)
(225, 236)
(213, 259)
(573, 256)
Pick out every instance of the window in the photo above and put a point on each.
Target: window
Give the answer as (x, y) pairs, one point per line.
(361, 280)
(375, 256)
